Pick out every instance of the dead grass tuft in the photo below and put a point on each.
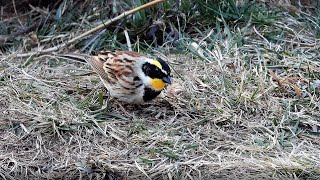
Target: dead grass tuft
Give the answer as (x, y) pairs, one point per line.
(244, 104)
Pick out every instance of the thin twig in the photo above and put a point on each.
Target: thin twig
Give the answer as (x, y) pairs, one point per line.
(15, 11)
(128, 40)
(91, 31)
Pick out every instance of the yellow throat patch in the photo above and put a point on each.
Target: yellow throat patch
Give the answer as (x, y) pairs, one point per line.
(157, 84)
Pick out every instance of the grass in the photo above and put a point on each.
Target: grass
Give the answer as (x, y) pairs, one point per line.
(244, 103)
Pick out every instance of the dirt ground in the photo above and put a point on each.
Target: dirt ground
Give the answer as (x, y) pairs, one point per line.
(237, 109)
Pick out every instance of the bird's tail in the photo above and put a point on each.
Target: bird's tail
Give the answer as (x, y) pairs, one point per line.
(74, 57)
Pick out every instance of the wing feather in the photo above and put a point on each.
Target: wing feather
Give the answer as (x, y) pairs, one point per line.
(116, 67)
(98, 63)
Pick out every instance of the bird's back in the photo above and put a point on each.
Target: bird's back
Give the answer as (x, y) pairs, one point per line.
(118, 72)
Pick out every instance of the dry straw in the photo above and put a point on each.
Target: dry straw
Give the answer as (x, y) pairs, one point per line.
(91, 31)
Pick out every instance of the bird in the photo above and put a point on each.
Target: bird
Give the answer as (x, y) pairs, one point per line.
(129, 76)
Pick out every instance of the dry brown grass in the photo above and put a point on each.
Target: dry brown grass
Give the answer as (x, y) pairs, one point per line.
(239, 112)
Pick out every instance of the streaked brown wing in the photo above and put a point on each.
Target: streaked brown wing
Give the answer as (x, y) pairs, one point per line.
(97, 64)
(116, 67)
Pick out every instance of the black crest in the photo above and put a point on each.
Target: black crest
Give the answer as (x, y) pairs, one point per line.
(153, 71)
(164, 65)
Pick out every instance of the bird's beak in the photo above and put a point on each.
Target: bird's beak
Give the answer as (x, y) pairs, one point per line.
(166, 80)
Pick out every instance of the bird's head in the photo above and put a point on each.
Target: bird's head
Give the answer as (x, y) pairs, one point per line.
(157, 72)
